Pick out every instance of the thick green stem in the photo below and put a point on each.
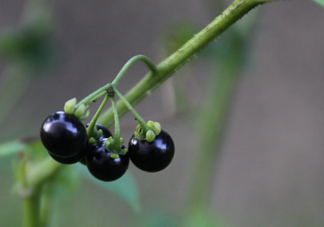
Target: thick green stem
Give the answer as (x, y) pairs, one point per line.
(166, 68)
(42, 172)
(31, 199)
(140, 120)
(31, 209)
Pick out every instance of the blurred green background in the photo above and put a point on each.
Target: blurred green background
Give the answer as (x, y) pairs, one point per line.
(270, 168)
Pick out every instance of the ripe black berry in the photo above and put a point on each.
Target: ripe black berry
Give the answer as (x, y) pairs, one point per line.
(151, 156)
(63, 135)
(69, 160)
(102, 166)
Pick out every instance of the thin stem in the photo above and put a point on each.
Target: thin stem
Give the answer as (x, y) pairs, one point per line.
(101, 91)
(95, 95)
(115, 146)
(95, 117)
(140, 120)
(128, 64)
(169, 66)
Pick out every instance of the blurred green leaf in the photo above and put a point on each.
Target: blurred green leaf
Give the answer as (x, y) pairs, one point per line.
(66, 181)
(202, 216)
(12, 147)
(125, 188)
(321, 2)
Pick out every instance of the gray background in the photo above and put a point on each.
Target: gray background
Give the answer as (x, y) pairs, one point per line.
(270, 172)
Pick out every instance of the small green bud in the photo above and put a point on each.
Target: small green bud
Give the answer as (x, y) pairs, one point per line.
(122, 140)
(114, 156)
(150, 124)
(69, 106)
(99, 133)
(137, 135)
(157, 127)
(150, 135)
(92, 140)
(85, 116)
(138, 128)
(107, 143)
(124, 151)
(110, 139)
(80, 111)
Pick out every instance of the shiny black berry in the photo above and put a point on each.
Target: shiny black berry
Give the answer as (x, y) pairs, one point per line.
(152, 156)
(63, 135)
(70, 160)
(102, 166)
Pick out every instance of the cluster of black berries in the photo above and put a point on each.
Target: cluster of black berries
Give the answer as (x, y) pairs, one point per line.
(66, 139)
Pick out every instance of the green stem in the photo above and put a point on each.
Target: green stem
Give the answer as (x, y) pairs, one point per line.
(122, 72)
(102, 91)
(42, 172)
(95, 95)
(31, 209)
(166, 68)
(115, 145)
(30, 199)
(140, 120)
(31, 189)
(95, 117)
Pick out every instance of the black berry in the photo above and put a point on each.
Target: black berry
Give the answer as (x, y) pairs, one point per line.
(70, 160)
(152, 156)
(102, 166)
(63, 135)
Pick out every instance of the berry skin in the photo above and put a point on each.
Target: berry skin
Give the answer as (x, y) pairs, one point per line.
(152, 156)
(102, 166)
(69, 160)
(63, 135)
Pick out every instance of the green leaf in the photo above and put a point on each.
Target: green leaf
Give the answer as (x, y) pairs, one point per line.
(321, 2)
(12, 147)
(125, 188)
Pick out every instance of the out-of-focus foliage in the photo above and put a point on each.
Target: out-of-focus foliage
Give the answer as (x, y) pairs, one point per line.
(321, 2)
(124, 188)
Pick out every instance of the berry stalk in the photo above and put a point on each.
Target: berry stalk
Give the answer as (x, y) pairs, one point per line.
(95, 117)
(140, 120)
(115, 145)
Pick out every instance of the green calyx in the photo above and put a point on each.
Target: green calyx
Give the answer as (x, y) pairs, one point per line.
(115, 148)
(92, 140)
(70, 105)
(80, 111)
(154, 129)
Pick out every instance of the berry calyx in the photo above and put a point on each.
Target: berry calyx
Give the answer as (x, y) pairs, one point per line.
(63, 135)
(104, 167)
(152, 156)
(105, 132)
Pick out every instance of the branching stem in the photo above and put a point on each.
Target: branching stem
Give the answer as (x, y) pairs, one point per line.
(166, 68)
